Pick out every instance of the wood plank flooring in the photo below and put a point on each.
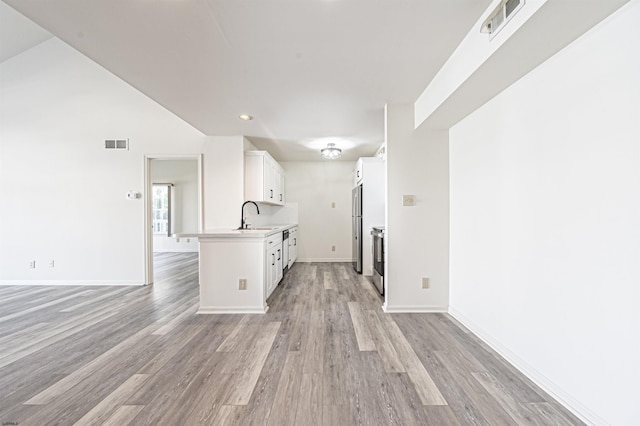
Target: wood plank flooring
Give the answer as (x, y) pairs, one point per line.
(324, 354)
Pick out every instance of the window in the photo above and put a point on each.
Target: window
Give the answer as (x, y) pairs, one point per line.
(161, 213)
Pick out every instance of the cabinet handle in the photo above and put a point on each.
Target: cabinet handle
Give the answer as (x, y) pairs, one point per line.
(295, 241)
(273, 259)
(279, 257)
(358, 173)
(280, 197)
(271, 191)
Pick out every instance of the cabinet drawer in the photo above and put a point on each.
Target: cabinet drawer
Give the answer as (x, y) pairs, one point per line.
(274, 239)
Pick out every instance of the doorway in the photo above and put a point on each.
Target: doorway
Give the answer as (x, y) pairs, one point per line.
(173, 205)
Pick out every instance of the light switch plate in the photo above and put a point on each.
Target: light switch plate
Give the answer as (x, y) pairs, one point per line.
(409, 200)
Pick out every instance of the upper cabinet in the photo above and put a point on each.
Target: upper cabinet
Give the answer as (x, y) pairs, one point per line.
(357, 173)
(373, 167)
(264, 178)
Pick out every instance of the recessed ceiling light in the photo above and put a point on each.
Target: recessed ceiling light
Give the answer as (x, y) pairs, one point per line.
(245, 117)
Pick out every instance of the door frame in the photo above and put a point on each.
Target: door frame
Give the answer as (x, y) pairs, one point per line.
(147, 195)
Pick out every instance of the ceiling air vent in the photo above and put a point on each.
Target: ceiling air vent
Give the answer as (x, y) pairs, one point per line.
(122, 144)
(500, 16)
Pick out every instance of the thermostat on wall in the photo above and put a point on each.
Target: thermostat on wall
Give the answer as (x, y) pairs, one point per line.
(409, 200)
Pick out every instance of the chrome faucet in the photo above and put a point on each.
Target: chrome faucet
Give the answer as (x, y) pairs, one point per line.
(243, 224)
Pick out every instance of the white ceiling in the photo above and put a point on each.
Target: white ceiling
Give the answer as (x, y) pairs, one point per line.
(309, 71)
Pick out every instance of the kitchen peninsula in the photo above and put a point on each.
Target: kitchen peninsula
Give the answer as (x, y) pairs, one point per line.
(240, 268)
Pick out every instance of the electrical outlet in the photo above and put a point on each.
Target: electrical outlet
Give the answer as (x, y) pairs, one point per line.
(333, 248)
(32, 264)
(333, 205)
(425, 283)
(242, 284)
(52, 264)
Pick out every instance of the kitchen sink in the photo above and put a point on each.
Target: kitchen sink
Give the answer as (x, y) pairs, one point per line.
(260, 228)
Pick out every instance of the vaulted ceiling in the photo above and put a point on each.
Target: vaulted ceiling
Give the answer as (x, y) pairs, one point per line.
(308, 71)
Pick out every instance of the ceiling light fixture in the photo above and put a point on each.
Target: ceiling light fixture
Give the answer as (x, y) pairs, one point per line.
(331, 152)
(245, 117)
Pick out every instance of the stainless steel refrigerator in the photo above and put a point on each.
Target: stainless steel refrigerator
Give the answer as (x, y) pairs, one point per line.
(356, 220)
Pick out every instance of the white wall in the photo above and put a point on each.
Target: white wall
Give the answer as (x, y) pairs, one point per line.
(417, 237)
(183, 174)
(545, 222)
(223, 181)
(64, 194)
(314, 186)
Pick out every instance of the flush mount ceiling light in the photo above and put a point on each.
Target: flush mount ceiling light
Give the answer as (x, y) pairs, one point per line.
(331, 152)
(245, 117)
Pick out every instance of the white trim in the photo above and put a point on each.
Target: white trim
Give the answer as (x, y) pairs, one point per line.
(411, 309)
(176, 251)
(232, 310)
(569, 402)
(71, 282)
(322, 260)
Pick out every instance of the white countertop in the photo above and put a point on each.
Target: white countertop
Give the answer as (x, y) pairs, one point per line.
(261, 231)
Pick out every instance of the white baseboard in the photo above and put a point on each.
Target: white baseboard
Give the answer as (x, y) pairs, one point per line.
(70, 282)
(410, 309)
(570, 403)
(232, 310)
(322, 260)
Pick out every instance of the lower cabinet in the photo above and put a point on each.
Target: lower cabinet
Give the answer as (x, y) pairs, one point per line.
(293, 246)
(273, 262)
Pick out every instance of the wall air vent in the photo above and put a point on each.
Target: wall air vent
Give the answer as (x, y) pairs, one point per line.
(121, 144)
(500, 16)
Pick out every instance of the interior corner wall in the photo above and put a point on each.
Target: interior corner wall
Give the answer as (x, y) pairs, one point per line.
(417, 237)
(64, 195)
(545, 222)
(314, 186)
(248, 146)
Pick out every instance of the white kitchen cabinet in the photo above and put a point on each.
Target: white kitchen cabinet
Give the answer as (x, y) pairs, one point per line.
(239, 269)
(358, 172)
(264, 178)
(293, 245)
(281, 191)
(273, 262)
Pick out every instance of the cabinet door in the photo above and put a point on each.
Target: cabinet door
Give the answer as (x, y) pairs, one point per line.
(293, 234)
(281, 187)
(271, 260)
(263, 178)
(269, 180)
(278, 265)
(357, 173)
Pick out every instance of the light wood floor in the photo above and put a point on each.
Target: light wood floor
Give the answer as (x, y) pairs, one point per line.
(325, 353)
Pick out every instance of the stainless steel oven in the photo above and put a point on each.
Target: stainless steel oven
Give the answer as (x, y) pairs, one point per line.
(377, 247)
